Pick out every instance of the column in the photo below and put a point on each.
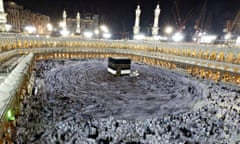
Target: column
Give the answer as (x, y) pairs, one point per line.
(136, 28)
(156, 19)
(78, 30)
(64, 20)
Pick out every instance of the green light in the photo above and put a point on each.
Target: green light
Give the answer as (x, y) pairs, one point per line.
(10, 115)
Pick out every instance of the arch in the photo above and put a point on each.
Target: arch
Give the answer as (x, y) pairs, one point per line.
(229, 58)
(237, 61)
(193, 53)
(213, 56)
(220, 56)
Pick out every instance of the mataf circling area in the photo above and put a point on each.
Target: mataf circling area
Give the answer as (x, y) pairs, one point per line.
(78, 101)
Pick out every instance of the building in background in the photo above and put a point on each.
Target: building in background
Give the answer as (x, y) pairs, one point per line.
(19, 18)
(3, 19)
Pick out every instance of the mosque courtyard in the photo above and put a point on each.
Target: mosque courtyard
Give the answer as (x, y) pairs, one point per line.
(78, 101)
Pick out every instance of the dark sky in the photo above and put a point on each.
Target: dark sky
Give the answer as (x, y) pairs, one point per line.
(120, 14)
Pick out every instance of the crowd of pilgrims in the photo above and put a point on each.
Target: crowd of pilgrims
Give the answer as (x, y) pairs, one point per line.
(216, 121)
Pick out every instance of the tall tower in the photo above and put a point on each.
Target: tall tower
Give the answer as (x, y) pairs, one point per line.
(64, 26)
(156, 19)
(136, 28)
(3, 17)
(78, 30)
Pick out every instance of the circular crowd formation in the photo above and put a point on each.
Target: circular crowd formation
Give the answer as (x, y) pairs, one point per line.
(78, 101)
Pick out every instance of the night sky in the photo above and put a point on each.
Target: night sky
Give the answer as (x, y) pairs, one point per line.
(120, 14)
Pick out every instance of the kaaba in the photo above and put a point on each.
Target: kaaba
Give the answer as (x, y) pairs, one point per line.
(119, 65)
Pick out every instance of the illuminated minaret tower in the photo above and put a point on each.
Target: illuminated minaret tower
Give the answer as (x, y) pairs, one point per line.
(3, 17)
(156, 19)
(64, 20)
(78, 30)
(136, 28)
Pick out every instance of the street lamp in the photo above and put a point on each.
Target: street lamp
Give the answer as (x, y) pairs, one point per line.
(8, 27)
(61, 24)
(139, 37)
(30, 29)
(168, 30)
(88, 34)
(49, 27)
(64, 33)
(107, 35)
(178, 37)
(228, 36)
(104, 28)
(96, 32)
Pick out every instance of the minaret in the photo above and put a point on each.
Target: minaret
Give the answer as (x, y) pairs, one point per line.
(3, 17)
(64, 20)
(78, 30)
(136, 28)
(156, 18)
